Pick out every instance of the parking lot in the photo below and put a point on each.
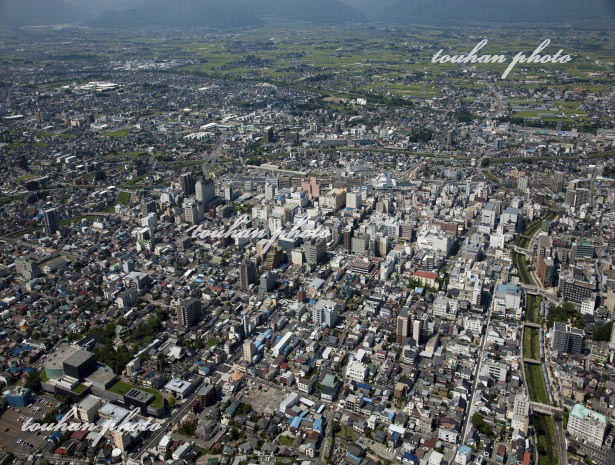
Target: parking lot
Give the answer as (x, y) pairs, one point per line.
(12, 438)
(263, 398)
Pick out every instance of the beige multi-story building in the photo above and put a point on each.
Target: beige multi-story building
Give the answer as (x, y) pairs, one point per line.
(521, 411)
(249, 351)
(333, 200)
(586, 425)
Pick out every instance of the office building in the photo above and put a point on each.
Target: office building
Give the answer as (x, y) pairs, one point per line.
(566, 339)
(268, 137)
(266, 282)
(288, 244)
(228, 193)
(189, 313)
(360, 244)
(148, 207)
(403, 326)
(205, 191)
(546, 271)
(192, 211)
(333, 200)
(249, 351)
(247, 274)
(521, 412)
(325, 312)
(27, 267)
(187, 183)
(406, 230)
(574, 290)
(50, 220)
(315, 250)
(419, 330)
(353, 200)
(347, 238)
(587, 426)
(557, 182)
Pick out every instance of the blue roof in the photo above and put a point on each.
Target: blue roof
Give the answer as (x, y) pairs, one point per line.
(295, 422)
(317, 425)
(205, 370)
(510, 287)
(22, 348)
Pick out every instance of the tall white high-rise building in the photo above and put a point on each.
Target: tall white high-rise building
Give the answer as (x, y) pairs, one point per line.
(325, 311)
(353, 200)
(521, 412)
(521, 405)
(249, 351)
(270, 190)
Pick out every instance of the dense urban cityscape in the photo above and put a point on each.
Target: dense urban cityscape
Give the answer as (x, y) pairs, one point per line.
(305, 245)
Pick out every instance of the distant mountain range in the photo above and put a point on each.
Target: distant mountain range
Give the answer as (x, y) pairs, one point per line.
(182, 13)
(419, 11)
(235, 13)
(185, 13)
(225, 13)
(35, 12)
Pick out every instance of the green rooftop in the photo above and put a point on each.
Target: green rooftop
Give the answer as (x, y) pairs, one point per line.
(580, 411)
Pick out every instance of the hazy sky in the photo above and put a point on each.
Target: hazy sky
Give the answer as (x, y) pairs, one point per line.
(246, 12)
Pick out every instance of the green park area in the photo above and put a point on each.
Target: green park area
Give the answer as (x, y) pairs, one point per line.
(545, 440)
(531, 343)
(536, 384)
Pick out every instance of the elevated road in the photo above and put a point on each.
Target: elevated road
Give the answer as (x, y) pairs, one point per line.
(545, 409)
(529, 324)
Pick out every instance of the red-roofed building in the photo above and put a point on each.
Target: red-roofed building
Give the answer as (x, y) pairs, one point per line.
(79, 435)
(426, 278)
